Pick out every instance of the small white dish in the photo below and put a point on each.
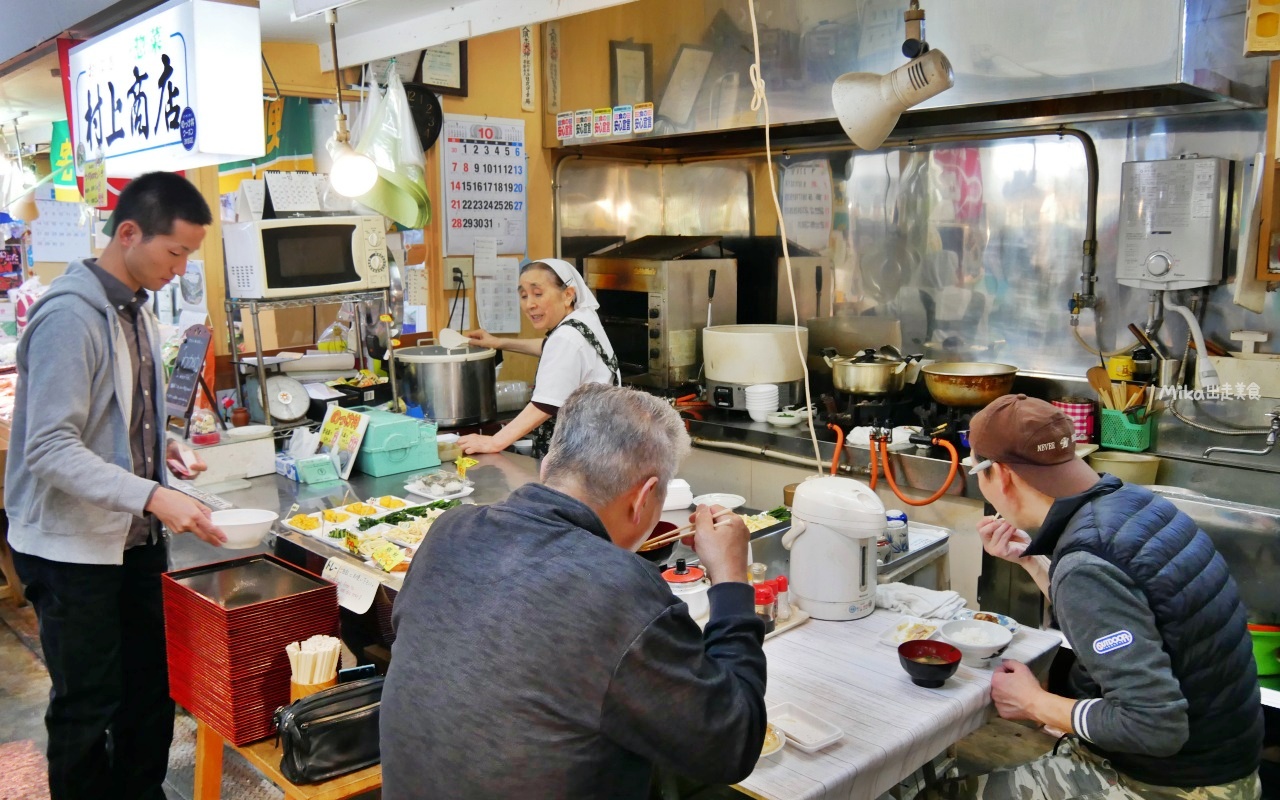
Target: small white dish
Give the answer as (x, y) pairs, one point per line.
(779, 739)
(784, 419)
(420, 492)
(908, 629)
(806, 731)
(1008, 623)
(729, 501)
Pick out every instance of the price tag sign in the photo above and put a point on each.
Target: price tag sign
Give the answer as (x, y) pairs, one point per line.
(603, 123)
(582, 123)
(484, 168)
(642, 117)
(564, 125)
(622, 120)
(356, 587)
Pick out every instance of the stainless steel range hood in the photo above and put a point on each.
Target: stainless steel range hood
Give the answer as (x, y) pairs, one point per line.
(1016, 63)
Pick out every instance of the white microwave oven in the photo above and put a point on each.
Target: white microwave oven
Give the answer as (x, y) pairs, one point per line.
(272, 259)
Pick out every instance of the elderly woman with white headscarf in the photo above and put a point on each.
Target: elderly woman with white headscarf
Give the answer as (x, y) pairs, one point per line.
(574, 351)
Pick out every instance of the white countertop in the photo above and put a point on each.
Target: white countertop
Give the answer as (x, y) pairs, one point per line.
(840, 672)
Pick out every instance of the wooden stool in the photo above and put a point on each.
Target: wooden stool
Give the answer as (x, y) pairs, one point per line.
(265, 757)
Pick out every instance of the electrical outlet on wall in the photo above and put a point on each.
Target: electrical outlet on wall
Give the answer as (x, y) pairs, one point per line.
(458, 267)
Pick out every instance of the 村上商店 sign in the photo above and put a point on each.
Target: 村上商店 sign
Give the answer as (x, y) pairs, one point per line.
(177, 88)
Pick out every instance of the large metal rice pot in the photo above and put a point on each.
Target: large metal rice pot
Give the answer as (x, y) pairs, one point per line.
(453, 387)
(748, 354)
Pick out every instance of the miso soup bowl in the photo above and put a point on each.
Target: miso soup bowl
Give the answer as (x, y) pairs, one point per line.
(930, 676)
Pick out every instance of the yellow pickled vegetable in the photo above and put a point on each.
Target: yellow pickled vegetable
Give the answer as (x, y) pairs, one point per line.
(387, 501)
(304, 522)
(333, 515)
(362, 509)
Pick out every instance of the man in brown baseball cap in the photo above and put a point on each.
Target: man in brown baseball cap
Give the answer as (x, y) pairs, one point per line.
(1035, 441)
(1163, 698)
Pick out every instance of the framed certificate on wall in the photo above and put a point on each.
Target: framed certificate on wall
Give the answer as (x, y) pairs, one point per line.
(444, 68)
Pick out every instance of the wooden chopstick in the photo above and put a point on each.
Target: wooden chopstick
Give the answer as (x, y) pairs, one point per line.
(678, 533)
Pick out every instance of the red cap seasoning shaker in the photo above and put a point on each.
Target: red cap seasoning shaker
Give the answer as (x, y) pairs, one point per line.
(765, 608)
(784, 599)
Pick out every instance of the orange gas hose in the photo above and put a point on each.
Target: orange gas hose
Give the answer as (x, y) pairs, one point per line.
(875, 458)
(888, 472)
(835, 459)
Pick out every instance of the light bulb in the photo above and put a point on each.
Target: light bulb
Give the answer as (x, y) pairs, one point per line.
(352, 173)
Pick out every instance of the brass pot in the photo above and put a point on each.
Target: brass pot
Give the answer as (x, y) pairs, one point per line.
(968, 384)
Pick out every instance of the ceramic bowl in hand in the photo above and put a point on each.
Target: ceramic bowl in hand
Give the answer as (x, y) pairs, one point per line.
(244, 527)
(978, 641)
(928, 663)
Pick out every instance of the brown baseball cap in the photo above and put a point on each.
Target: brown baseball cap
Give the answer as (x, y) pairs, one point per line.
(1035, 440)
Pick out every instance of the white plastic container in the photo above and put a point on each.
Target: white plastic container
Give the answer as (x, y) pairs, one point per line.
(835, 523)
(690, 587)
(804, 730)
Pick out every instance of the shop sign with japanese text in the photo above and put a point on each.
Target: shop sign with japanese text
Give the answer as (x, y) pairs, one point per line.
(178, 88)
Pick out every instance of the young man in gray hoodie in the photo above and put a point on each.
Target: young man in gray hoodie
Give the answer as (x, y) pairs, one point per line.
(86, 496)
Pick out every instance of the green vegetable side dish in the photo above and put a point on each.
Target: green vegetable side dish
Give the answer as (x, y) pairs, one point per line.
(788, 416)
(405, 514)
(781, 513)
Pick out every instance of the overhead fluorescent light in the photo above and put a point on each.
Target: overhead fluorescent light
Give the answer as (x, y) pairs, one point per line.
(310, 8)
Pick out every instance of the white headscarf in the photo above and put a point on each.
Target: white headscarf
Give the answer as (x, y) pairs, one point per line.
(585, 300)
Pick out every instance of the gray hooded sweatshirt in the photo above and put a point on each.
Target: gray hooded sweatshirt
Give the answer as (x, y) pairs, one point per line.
(70, 490)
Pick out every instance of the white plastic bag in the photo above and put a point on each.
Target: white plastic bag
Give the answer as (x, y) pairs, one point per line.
(391, 141)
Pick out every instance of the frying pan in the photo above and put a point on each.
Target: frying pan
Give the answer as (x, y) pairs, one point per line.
(968, 384)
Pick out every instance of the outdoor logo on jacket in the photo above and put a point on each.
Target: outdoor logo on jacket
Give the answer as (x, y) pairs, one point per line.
(1112, 641)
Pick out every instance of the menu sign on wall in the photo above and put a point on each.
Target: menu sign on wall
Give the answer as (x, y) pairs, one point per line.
(484, 167)
(178, 88)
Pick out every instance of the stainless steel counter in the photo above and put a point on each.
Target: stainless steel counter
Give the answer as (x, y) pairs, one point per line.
(734, 432)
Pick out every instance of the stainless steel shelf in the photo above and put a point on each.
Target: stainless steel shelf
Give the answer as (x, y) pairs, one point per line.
(235, 305)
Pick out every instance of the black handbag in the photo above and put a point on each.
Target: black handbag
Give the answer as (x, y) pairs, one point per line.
(330, 733)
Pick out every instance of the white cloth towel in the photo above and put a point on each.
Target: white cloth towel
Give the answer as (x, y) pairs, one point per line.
(917, 601)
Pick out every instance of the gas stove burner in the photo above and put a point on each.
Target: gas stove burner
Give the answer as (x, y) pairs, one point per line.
(945, 422)
(853, 411)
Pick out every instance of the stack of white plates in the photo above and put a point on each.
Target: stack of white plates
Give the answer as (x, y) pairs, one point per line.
(679, 495)
(762, 400)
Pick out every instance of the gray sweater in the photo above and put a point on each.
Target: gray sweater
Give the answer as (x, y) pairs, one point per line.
(535, 659)
(70, 488)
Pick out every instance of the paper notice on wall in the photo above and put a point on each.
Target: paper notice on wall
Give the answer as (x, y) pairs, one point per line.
(527, 76)
(62, 232)
(415, 285)
(806, 204)
(497, 299)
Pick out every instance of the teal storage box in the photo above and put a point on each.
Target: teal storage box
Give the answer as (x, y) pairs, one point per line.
(395, 443)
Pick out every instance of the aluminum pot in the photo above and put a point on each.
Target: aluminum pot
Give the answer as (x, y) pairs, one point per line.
(867, 375)
(968, 384)
(453, 387)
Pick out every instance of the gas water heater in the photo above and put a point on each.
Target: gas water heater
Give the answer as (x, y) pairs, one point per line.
(1173, 219)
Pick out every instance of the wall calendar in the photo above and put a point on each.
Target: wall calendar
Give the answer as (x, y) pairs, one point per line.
(484, 169)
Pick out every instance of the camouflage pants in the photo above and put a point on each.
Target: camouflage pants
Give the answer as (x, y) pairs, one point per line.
(1073, 772)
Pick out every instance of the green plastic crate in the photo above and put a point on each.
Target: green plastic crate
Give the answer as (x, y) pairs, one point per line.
(1120, 432)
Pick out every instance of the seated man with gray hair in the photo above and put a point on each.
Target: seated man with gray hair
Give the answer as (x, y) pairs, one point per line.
(537, 656)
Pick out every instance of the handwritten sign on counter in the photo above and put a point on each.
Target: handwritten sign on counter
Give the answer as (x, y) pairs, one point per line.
(356, 586)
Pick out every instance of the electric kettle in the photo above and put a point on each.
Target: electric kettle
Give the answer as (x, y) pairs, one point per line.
(835, 523)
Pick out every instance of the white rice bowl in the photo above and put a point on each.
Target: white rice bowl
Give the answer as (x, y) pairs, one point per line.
(977, 641)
